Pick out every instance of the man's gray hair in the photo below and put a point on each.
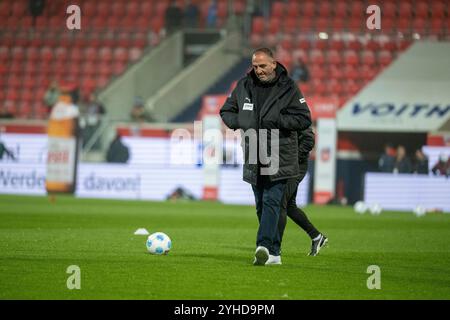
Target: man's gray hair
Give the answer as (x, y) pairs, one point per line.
(266, 51)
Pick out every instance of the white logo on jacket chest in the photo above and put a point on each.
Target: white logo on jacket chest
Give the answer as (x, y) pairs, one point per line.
(248, 106)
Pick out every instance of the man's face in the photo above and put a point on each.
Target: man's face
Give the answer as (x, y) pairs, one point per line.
(264, 66)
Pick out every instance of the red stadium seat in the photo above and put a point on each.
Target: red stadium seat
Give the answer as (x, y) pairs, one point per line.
(89, 9)
(258, 25)
(106, 54)
(351, 58)
(293, 9)
(76, 55)
(354, 44)
(341, 9)
(322, 24)
(334, 57)
(277, 9)
(120, 54)
(324, 9)
(372, 45)
(32, 54)
(351, 72)
(290, 25)
(19, 8)
(419, 25)
(404, 25)
(132, 9)
(27, 95)
(388, 10)
(118, 68)
(384, 58)
(335, 86)
(61, 53)
(274, 25)
(222, 10)
(308, 9)
(336, 72)
(318, 72)
(337, 44)
(4, 53)
(338, 23)
(316, 56)
(358, 9)
(368, 58)
(437, 9)
(134, 54)
(421, 9)
(305, 23)
(157, 24)
(103, 9)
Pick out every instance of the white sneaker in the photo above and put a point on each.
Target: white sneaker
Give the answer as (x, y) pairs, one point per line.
(261, 256)
(273, 260)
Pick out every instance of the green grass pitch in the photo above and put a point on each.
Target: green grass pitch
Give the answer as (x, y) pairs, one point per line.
(212, 254)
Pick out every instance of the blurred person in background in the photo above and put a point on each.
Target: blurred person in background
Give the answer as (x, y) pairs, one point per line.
(402, 162)
(52, 95)
(211, 17)
(5, 151)
(300, 72)
(117, 151)
(173, 18)
(289, 205)
(191, 15)
(36, 8)
(420, 162)
(387, 159)
(92, 115)
(442, 167)
(138, 112)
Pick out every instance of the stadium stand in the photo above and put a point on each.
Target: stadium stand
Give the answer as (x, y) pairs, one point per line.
(333, 40)
(113, 34)
(330, 36)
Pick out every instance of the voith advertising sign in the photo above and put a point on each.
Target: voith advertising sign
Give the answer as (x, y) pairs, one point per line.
(411, 95)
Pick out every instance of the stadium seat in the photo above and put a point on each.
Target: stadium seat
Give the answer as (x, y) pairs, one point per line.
(277, 9)
(274, 25)
(258, 25)
(316, 56)
(134, 54)
(351, 58)
(384, 58)
(340, 10)
(324, 9)
(421, 9)
(293, 9)
(368, 58)
(308, 9)
(290, 25)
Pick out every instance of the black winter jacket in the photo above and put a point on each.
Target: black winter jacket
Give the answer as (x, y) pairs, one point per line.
(285, 109)
(306, 142)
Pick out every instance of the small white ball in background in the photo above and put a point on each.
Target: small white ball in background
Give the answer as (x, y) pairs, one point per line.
(375, 209)
(360, 207)
(420, 211)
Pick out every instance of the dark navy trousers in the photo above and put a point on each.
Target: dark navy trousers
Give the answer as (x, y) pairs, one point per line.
(268, 199)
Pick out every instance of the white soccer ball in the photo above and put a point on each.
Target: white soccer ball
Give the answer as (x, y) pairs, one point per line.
(420, 211)
(158, 243)
(360, 207)
(375, 209)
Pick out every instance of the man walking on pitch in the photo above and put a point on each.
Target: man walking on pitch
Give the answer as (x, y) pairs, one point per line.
(267, 101)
